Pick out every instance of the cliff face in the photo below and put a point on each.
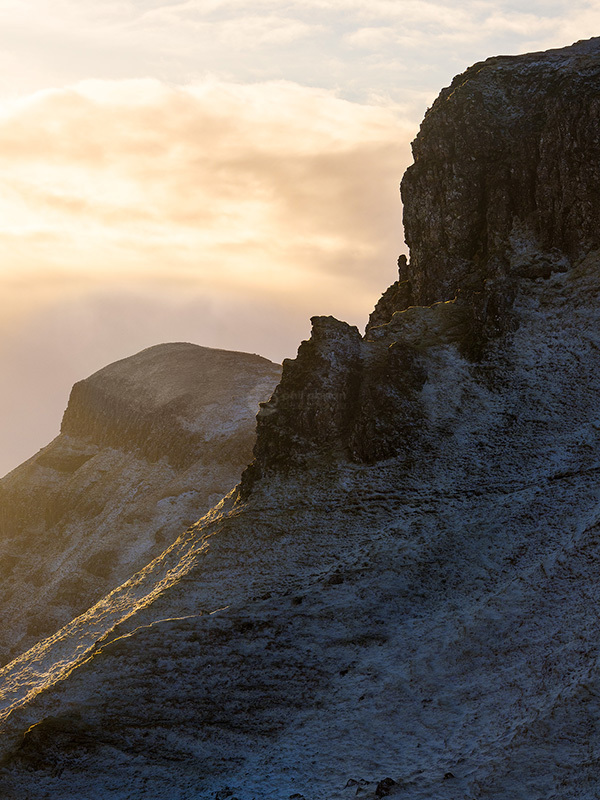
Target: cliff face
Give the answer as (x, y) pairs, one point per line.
(504, 188)
(505, 174)
(503, 185)
(402, 598)
(147, 446)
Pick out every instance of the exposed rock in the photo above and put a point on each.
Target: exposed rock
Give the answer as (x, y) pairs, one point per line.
(395, 298)
(388, 412)
(507, 160)
(446, 643)
(503, 184)
(312, 408)
(148, 445)
(343, 397)
(384, 787)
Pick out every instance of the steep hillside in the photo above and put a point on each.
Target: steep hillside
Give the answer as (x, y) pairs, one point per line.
(400, 598)
(147, 446)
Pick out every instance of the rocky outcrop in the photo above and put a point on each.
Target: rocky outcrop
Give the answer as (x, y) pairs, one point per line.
(503, 185)
(503, 189)
(505, 175)
(147, 446)
(402, 601)
(341, 397)
(312, 409)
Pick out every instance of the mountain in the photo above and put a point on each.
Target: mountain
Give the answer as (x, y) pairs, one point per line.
(400, 598)
(147, 446)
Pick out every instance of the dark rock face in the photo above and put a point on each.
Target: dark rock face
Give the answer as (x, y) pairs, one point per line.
(387, 411)
(506, 173)
(341, 397)
(317, 392)
(313, 406)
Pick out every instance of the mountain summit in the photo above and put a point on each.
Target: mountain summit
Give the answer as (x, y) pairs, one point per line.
(400, 599)
(148, 444)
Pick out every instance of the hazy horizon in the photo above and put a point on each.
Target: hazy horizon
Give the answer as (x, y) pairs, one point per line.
(214, 172)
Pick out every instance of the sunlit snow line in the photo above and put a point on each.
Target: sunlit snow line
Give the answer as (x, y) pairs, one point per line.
(48, 663)
(154, 624)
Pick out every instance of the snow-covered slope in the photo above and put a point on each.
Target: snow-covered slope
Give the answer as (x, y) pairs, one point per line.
(400, 598)
(148, 445)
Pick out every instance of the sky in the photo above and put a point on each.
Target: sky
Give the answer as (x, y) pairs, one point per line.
(213, 171)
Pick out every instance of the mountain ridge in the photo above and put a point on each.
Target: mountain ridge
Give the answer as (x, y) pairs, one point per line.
(400, 598)
(148, 444)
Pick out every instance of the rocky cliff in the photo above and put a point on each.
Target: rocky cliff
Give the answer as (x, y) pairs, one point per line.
(505, 174)
(504, 188)
(400, 600)
(147, 446)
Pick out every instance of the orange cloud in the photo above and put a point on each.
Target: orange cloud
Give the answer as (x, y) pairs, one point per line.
(258, 182)
(135, 212)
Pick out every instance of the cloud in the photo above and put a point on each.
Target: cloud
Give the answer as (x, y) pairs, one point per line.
(247, 29)
(267, 184)
(134, 212)
(353, 46)
(415, 23)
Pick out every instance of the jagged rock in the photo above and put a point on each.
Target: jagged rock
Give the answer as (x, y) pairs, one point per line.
(147, 446)
(384, 787)
(340, 396)
(395, 298)
(448, 630)
(311, 409)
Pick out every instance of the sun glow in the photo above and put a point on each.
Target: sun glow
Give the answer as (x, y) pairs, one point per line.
(215, 171)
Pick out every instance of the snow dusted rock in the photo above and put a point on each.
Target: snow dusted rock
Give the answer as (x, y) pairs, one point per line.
(418, 623)
(312, 408)
(147, 445)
